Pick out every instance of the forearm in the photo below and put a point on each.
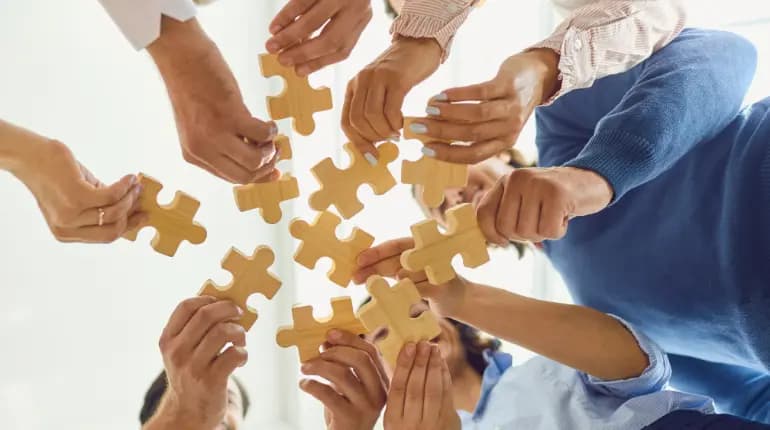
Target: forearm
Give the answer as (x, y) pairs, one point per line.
(432, 19)
(576, 336)
(169, 417)
(17, 145)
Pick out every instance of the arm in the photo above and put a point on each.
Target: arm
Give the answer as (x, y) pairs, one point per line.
(432, 19)
(685, 94)
(608, 37)
(139, 20)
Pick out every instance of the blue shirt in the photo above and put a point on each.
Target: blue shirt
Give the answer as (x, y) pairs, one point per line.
(683, 252)
(545, 395)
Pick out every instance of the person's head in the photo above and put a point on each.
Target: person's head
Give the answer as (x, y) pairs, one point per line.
(393, 7)
(461, 346)
(237, 402)
(482, 177)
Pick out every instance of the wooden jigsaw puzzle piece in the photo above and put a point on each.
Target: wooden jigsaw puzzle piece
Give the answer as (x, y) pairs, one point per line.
(250, 275)
(298, 99)
(391, 307)
(340, 187)
(283, 147)
(267, 197)
(308, 334)
(173, 223)
(320, 240)
(433, 251)
(433, 176)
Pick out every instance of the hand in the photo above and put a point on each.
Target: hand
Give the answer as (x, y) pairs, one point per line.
(420, 396)
(71, 198)
(385, 260)
(372, 110)
(357, 394)
(536, 204)
(197, 372)
(216, 130)
(342, 21)
(489, 116)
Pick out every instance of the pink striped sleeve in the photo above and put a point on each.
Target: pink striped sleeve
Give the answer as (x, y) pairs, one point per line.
(611, 36)
(437, 19)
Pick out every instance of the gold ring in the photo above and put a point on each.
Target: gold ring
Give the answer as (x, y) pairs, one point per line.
(101, 217)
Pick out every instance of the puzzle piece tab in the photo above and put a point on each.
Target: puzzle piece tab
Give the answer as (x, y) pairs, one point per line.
(433, 176)
(267, 196)
(173, 222)
(251, 275)
(391, 307)
(320, 240)
(308, 335)
(340, 187)
(283, 147)
(298, 99)
(434, 251)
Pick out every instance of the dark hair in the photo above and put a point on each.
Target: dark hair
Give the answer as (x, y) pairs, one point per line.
(474, 342)
(389, 9)
(160, 385)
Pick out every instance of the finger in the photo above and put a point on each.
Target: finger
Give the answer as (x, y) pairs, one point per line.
(529, 218)
(334, 38)
(256, 130)
(487, 213)
(374, 112)
(108, 196)
(358, 107)
(484, 91)
(340, 51)
(214, 340)
(345, 338)
(107, 233)
(468, 154)
(364, 146)
(112, 214)
(434, 388)
(462, 132)
(312, 66)
(342, 379)
(364, 367)
(203, 320)
(224, 365)
(415, 388)
(470, 112)
(325, 394)
(287, 15)
(553, 220)
(183, 313)
(508, 215)
(448, 402)
(388, 268)
(302, 28)
(136, 220)
(398, 383)
(385, 250)
(249, 156)
(394, 102)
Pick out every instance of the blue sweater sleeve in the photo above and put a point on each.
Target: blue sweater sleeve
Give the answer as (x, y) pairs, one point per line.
(686, 93)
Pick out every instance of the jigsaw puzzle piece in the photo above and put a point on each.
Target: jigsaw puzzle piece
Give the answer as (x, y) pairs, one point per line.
(340, 187)
(392, 308)
(267, 197)
(173, 222)
(283, 147)
(298, 99)
(308, 335)
(250, 275)
(433, 251)
(320, 240)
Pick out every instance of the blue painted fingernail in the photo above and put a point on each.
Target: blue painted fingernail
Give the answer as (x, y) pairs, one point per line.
(433, 110)
(418, 128)
(428, 152)
(371, 159)
(395, 137)
(440, 97)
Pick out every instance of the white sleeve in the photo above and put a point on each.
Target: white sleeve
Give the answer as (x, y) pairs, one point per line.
(139, 20)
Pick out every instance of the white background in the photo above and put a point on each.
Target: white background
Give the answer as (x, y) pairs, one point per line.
(79, 324)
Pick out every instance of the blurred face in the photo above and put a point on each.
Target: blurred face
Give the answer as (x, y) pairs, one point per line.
(448, 341)
(233, 419)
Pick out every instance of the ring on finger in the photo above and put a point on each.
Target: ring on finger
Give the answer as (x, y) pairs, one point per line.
(101, 217)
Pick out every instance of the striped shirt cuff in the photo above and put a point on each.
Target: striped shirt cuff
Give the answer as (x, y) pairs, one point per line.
(438, 20)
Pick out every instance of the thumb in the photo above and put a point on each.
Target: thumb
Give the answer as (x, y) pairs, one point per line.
(107, 196)
(257, 130)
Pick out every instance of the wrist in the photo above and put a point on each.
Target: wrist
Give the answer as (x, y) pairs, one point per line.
(180, 49)
(546, 63)
(171, 415)
(19, 147)
(426, 50)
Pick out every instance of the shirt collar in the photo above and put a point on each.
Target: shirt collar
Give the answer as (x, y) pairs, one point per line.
(498, 364)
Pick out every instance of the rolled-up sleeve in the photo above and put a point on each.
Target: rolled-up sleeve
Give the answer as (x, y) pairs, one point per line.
(654, 378)
(139, 20)
(437, 19)
(608, 37)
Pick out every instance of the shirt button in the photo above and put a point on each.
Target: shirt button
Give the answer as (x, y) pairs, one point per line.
(578, 44)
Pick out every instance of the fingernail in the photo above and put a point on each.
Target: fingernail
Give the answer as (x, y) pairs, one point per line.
(371, 159)
(305, 367)
(428, 152)
(395, 137)
(303, 383)
(409, 349)
(137, 190)
(303, 70)
(133, 180)
(272, 46)
(240, 311)
(334, 334)
(285, 61)
(433, 110)
(273, 130)
(440, 97)
(418, 128)
(275, 28)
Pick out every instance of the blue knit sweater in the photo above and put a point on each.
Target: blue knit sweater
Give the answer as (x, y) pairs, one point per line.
(683, 251)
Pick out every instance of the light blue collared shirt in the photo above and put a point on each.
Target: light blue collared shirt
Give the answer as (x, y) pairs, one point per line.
(544, 395)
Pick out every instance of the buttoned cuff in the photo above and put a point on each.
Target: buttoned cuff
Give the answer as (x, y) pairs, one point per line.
(140, 20)
(576, 62)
